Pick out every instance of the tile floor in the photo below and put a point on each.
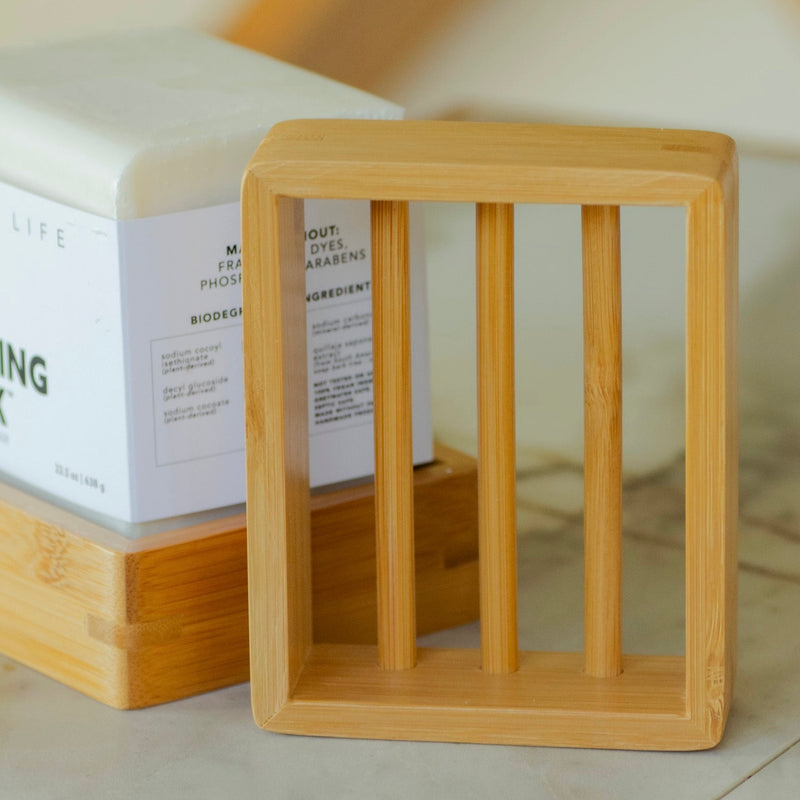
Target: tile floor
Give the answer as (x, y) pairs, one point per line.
(55, 743)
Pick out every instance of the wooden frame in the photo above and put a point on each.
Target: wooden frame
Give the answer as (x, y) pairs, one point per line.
(600, 698)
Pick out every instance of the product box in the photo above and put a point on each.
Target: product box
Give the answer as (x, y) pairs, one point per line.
(120, 260)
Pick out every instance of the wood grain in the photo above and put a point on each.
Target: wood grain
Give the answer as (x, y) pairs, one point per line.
(133, 623)
(277, 453)
(601, 698)
(711, 451)
(602, 425)
(394, 457)
(497, 499)
(447, 697)
(442, 161)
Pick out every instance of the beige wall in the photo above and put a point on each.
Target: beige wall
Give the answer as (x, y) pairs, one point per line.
(731, 65)
(30, 21)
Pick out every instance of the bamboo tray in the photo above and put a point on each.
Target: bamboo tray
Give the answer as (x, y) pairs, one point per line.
(133, 623)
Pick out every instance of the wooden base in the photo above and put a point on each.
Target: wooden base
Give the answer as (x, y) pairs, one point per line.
(134, 623)
(343, 691)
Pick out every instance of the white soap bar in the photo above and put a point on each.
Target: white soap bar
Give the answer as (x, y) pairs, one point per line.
(121, 161)
(141, 124)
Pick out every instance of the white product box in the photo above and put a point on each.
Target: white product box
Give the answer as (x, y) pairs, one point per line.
(120, 300)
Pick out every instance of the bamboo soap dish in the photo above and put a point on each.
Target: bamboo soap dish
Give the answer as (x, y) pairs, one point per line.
(393, 690)
(136, 622)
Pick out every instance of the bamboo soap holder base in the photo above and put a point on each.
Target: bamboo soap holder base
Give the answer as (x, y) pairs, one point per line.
(133, 623)
(393, 690)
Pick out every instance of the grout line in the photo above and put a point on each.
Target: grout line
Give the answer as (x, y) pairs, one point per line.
(744, 566)
(758, 769)
(571, 517)
(767, 572)
(647, 538)
(788, 532)
(552, 468)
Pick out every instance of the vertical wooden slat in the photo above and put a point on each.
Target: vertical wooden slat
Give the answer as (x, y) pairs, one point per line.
(602, 362)
(276, 400)
(496, 437)
(711, 454)
(394, 495)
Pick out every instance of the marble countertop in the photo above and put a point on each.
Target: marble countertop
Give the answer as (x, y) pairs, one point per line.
(57, 743)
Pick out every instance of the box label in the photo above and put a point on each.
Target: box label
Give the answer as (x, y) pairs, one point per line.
(62, 381)
(136, 328)
(197, 395)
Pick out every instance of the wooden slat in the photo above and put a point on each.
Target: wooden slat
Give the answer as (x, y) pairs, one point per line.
(497, 532)
(711, 453)
(394, 495)
(602, 361)
(276, 402)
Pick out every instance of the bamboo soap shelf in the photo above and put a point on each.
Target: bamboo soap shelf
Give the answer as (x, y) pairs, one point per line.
(135, 622)
(393, 690)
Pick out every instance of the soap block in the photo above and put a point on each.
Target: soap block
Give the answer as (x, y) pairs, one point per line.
(121, 160)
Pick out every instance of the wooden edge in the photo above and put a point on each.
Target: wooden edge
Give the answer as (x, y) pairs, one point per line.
(447, 462)
(526, 163)
(278, 513)
(53, 555)
(548, 701)
(542, 728)
(177, 530)
(712, 451)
